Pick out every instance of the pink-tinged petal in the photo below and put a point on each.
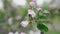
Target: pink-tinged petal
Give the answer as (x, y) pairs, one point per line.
(32, 13)
(39, 9)
(24, 23)
(10, 33)
(10, 20)
(22, 33)
(33, 4)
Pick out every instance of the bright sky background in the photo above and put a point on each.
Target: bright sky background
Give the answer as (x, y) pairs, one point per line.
(40, 2)
(23, 2)
(19, 2)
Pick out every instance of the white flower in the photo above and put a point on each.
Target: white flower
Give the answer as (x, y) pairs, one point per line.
(32, 13)
(22, 33)
(24, 23)
(10, 33)
(33, 4)
(10, 20)
(16, 32)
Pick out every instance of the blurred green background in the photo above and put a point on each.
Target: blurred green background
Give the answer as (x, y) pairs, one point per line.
(54, 17)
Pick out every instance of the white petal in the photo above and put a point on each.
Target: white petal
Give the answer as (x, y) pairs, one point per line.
(31, 32)
(10, 20)
(10, 33)
(24, 23)
(33, 4)
(22, 33)
(32, 13)
(16, 32)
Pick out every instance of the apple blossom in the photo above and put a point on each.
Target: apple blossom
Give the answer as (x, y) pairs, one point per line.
(10, 33)
(31, 12)
(10, 20)
(32, 4)
(22, 33)
(24, 23)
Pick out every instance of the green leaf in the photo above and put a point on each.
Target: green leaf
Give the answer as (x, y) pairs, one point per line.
(42, 27)
(43, 17)
(42, 20)
(40, 14)
(29, 1)
(13, 12)
(1, 15)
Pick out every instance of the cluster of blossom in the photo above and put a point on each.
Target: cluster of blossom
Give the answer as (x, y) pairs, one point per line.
(30, 12)
(26, 23)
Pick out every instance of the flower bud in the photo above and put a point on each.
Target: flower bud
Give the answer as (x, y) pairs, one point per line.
(39, 9)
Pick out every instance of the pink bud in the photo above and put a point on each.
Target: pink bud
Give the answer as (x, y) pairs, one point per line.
(39, 9)
(32, 4)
